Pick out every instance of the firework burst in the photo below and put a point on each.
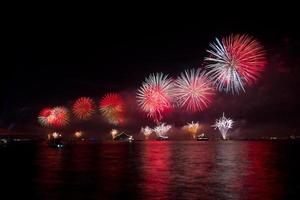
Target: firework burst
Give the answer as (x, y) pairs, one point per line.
(223, 124)
(112, 108)
(234, 62)
(78, 134)
(193, 90)
(45, 116)
(155, 96)
(114, 133)
(147, 131)
(162, 129)
(60, 116)
(83, 108)
(192, 128)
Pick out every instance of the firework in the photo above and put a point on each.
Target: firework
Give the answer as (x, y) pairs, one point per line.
(162, 129)
(78, 134)
(45, 116)
(234, 62)
(155, 96)
(223, 124)
(147, 131)
(59, 117)
(55, 135)
(83, 108)
(193, 90)
(112, 108)
(114, 133)
(192, 128)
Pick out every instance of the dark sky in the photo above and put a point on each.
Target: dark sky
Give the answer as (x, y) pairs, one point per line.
(58, 61)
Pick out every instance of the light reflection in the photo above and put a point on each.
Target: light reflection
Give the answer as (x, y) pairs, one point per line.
(156, 170)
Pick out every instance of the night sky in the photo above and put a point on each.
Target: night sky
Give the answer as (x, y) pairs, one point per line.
(59, 62)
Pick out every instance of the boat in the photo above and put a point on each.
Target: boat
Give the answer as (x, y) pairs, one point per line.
(161, 137)
(3, 142)
(55, 140)
(202, 137)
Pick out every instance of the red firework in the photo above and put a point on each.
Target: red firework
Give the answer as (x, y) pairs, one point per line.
(155, 96)
(83, 108)
(234, 62)
(193, 90)
(246, 53)
(112, 108)
(60, 116)
(44, 116)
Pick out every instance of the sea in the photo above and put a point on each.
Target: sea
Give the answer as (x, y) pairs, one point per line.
(170, 170)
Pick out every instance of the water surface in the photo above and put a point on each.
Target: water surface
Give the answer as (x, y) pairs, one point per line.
(153, 170)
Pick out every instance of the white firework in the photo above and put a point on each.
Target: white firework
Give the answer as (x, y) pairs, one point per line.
(162, 129)
(234, 62)
(193, 90)
(155, 95)
(147, 131)
(114, 133)
(223, 124)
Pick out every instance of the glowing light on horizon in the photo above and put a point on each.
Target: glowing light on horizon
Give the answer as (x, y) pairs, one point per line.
(193, 90)
(78, 134)
(83, 108)
(234, 62)
(155, 96)
(56, 135)
(114, 133)
(223, 124)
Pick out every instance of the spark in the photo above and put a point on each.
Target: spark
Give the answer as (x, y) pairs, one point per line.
(155, 96)
(223, 124)
(193, 90)
(162, 129)
(147, 131)
(192, 128)
(234, 62)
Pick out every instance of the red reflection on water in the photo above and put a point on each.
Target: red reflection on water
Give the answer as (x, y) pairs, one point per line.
(49, 164)
(114, 169)
(245, 170)
(156, 173)
(189, 169)
(262, 178)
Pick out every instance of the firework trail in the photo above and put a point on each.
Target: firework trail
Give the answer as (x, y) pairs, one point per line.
(234, 62)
